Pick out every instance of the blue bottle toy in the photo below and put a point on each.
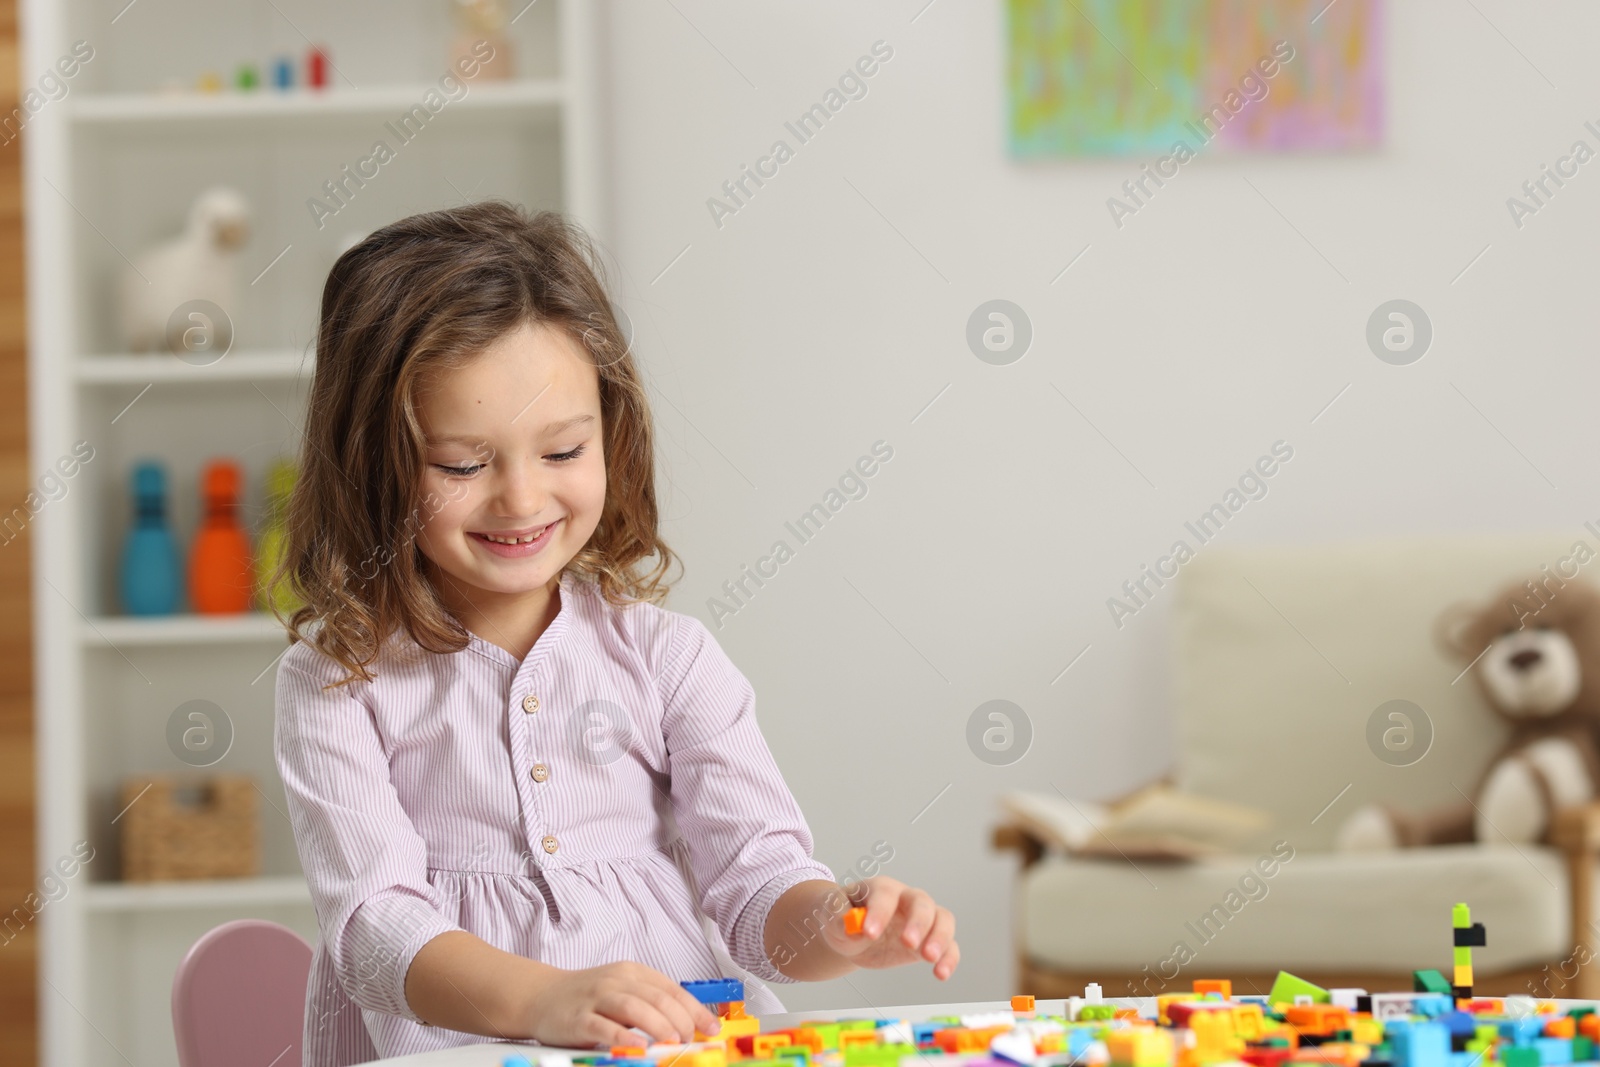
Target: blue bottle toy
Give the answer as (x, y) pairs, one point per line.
(152, 582)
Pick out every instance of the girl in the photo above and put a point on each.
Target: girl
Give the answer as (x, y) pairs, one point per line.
(528, 800)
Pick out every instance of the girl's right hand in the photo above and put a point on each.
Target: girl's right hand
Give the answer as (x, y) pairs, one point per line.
(597, 1006)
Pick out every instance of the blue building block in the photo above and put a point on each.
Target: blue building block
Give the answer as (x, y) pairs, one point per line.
(1553, 1050)
(1522, 1031)
(516, 1061)
(715, 990)
(922, 1033)
(1078, 1041)
(1424, 1044)
(1466, 1059)
(1459, 1022)
(1432, 1004)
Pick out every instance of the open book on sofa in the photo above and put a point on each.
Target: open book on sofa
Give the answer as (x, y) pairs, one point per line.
(1156, 822)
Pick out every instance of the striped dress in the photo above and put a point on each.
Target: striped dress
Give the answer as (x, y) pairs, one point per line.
(607, 798)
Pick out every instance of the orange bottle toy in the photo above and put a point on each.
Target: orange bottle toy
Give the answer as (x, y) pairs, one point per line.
(221, 576)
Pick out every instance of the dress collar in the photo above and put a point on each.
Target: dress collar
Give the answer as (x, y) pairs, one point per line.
(552, 636)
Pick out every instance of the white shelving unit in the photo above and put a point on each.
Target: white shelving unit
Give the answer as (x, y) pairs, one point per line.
(111, 168)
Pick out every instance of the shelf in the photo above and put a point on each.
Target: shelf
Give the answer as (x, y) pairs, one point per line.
(142, 369)
(387, 101)
(120, 630)
(213, 893)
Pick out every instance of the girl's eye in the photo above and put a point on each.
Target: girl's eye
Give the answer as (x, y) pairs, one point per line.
(474, 468)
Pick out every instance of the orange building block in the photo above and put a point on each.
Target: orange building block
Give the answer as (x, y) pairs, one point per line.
(1319, 1019)
(853, 920)
(1022, 1002)
(1562, 1026)
(1221, 986)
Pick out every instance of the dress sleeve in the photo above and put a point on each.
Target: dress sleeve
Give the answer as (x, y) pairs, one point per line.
(747, 839)
(364, 861)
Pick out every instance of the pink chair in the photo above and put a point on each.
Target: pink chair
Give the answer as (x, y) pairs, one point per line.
(240, 996)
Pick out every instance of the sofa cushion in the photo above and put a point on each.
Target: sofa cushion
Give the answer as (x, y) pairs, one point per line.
(1283, 653)
(1357, 913)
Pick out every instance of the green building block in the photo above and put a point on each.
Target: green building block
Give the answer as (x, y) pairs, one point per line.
(877, 1055)
(793, 1052)
(1461, 917)
(1429, 982)
(828, 1033)
(1519, 1056)
(1093, 1012)
(1463, 956)
(1287, 987)
(858, 1024)
(1582, 1049)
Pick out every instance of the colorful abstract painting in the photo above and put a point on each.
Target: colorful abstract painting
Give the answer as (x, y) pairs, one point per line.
(1110, 77)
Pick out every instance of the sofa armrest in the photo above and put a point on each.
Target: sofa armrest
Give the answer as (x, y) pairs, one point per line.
(1011, 835)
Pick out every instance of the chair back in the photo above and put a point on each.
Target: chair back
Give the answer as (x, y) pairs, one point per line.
(239, 996)
(1283, 653)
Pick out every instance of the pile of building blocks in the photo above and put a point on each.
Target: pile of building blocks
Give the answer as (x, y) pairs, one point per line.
(1436, 1024)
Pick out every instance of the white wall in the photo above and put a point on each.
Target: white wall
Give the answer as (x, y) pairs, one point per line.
(784, 343)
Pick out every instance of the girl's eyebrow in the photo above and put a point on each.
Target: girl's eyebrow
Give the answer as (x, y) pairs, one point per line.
(552, 428)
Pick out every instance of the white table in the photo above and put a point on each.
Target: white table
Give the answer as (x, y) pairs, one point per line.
(491, 1055)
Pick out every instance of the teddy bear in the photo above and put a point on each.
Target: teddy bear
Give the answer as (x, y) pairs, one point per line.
(1534, 652)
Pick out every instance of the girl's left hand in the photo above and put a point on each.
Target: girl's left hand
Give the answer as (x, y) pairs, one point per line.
(902, 925)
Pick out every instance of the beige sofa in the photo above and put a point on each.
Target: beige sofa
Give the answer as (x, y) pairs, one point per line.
(1281, 656)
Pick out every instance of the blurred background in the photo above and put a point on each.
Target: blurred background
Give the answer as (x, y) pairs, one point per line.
(1338, 345)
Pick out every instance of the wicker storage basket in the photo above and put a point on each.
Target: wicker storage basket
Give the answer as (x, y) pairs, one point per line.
(189, 828)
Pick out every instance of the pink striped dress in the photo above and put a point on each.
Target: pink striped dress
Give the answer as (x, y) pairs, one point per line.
(608, 798)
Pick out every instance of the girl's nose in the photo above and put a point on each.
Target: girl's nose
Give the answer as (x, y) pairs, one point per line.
(521, 491)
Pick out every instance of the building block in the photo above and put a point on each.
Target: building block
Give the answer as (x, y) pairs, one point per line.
(1286, 987)
(715, 990)
(1553, 1050)
(853, 919)
(1418, 1044)
(1140, 1046)
(1519, 1056)
(1222, 987)
(1429, 982)
(1022, 1002)
(731, 1030)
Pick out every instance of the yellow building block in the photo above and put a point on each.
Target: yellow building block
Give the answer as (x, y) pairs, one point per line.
(1464, 975)
(1140, 1046)
(1170, 998)
(1249, 1022)
(1366, 1031)
(732, 1028)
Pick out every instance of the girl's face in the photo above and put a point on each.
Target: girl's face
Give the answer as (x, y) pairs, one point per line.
(514, 451)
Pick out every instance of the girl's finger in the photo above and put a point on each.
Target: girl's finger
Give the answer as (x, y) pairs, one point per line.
(881, 905)
(596, 1029)
(681, 1016)
(946, 965)
(630, 1009)
(943, 932)
(920, 912)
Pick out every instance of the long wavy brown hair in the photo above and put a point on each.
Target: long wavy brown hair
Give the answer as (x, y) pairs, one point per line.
(418, 297)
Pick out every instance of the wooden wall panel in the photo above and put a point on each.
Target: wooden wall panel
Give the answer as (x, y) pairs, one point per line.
(18, 984)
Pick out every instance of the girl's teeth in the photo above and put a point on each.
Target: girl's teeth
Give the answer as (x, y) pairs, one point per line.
(513, 540)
